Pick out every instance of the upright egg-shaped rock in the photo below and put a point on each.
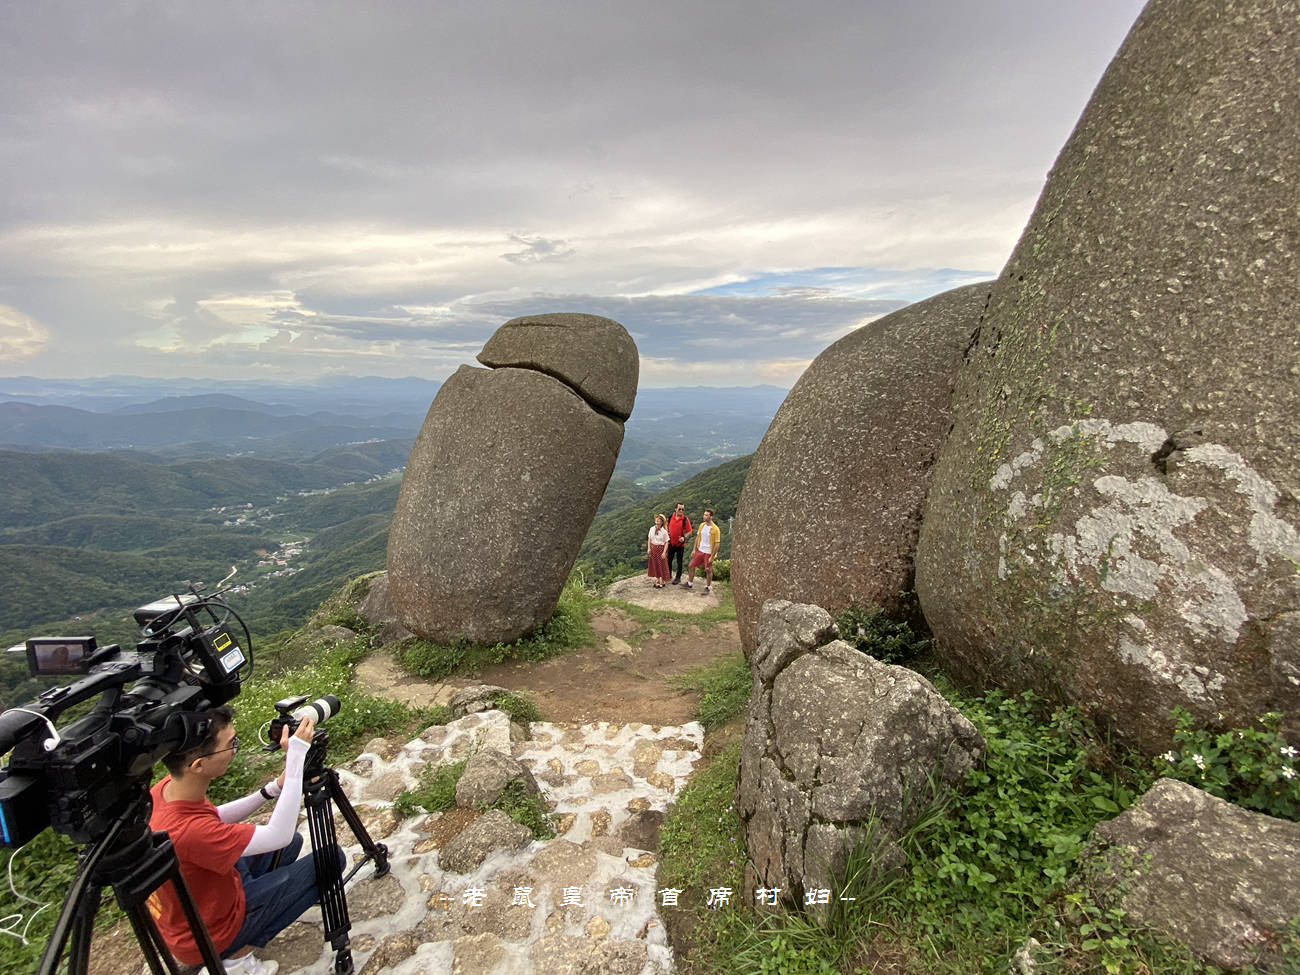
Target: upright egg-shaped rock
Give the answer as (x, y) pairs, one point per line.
(1115, 517)
(506, 475)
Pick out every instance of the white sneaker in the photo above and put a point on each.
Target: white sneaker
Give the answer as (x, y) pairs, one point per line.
(250, 964)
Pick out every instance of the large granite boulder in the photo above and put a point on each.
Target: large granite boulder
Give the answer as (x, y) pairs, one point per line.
(833, 739)
(832, 503)
(1220, 879)
(1113, 519)
(504, 481)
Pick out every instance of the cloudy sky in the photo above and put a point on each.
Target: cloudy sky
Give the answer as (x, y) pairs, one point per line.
(286, 189)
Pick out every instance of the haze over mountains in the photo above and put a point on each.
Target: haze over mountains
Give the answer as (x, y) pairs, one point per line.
(671, 432)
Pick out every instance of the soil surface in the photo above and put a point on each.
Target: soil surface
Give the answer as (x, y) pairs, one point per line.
(626, 676)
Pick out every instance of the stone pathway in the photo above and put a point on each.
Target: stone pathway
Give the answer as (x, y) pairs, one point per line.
(582, 902)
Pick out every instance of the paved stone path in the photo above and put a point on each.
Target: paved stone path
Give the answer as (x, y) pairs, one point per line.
(582, 902)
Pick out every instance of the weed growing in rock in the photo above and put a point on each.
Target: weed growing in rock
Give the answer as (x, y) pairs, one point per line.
(435, 792)
(525, 809)
(724, 685)
(1254, 767)
(520, 707)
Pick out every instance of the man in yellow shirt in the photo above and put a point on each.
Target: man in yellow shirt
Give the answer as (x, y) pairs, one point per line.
(707, 540)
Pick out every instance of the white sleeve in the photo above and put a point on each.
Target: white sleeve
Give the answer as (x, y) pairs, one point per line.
(277, 833)
(237, 810)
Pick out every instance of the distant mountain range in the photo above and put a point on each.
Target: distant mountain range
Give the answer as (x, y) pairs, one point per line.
(672, 434)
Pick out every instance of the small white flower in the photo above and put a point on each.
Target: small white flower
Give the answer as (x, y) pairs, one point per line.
(1170, 757)
(1290, 752)
(1288, 773)
(1200, 762)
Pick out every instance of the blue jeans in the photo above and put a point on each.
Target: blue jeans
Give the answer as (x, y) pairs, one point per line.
(275, 898)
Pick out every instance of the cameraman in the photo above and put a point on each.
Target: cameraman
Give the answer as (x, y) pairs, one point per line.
(227, 864)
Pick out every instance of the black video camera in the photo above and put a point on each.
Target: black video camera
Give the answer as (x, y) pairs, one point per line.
(79, 778)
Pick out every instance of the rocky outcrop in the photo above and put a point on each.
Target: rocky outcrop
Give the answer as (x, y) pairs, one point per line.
(1220, 879)
(832, 503)
(835, 740)
(505, 478)
(377, 609)
(1115, 517)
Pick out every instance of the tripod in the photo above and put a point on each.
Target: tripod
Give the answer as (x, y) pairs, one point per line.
(321, 789)
(135, 862)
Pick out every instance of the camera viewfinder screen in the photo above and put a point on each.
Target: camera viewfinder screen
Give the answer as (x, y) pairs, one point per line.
(59, 655)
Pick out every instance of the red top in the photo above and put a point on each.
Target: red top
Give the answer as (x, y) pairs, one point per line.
(207, 850)
(678, 526)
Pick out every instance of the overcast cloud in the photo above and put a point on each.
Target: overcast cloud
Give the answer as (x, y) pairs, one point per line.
(288, 189)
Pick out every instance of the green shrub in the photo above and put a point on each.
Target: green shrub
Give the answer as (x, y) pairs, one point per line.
(1252, 767)
(874, 633)
(1017, 833)
(721, 570)
(525, 809)
(520, 707)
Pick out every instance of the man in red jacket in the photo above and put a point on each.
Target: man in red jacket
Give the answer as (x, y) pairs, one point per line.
(679, 530)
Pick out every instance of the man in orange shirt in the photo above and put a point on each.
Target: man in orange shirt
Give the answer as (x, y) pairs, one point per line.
(226, 863)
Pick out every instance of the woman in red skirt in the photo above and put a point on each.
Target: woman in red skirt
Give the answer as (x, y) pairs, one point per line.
(656, 551)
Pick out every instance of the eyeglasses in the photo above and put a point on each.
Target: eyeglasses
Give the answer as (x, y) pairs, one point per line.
(232, 747)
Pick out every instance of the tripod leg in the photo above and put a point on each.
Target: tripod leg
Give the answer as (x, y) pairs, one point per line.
(150, 941)
(374, 851)
(83, 926)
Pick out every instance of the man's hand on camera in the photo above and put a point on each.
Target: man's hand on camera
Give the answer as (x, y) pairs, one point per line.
(305, 728)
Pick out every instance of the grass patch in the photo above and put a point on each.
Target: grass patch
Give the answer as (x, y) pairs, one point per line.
(568, 628)
(724, 685)
(699, 842)
(663, 621)
(435, 791)
(525, 809)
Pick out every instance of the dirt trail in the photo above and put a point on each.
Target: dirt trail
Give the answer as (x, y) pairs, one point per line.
(624, 676)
